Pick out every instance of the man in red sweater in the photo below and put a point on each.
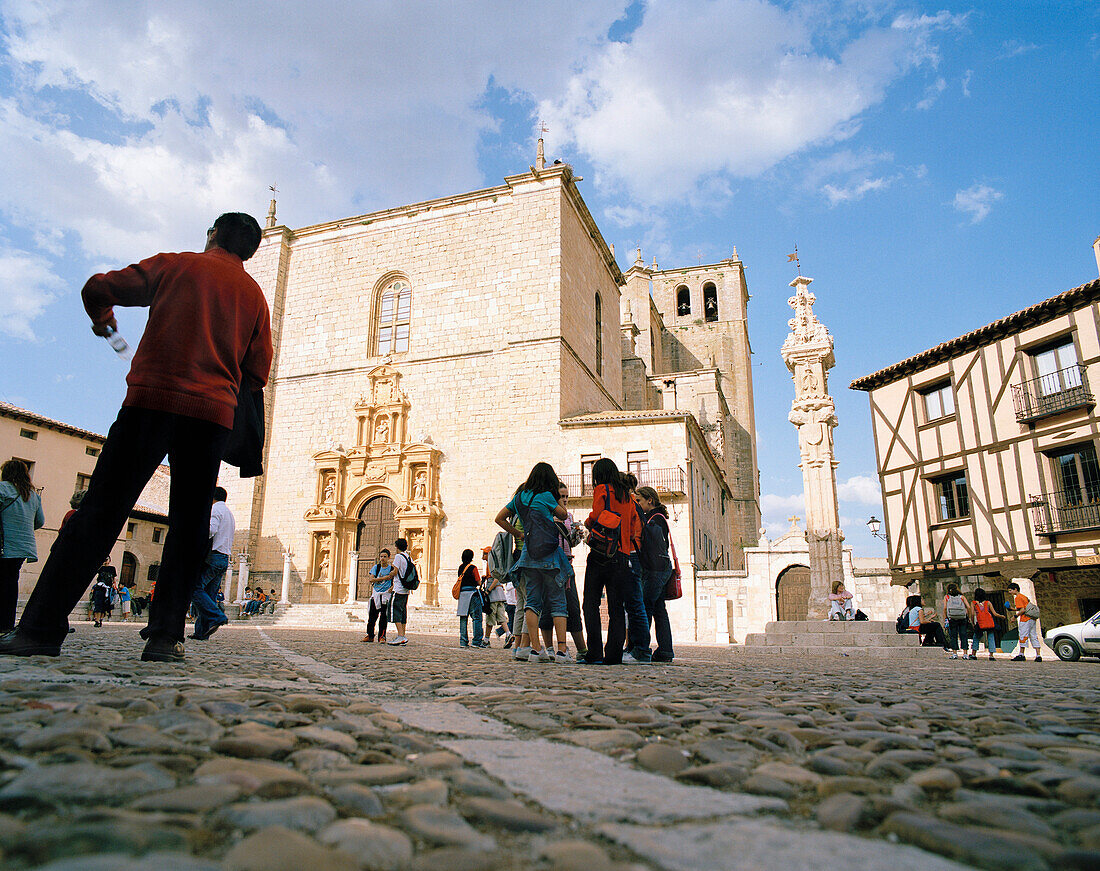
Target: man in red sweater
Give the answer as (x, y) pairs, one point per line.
(208, 328)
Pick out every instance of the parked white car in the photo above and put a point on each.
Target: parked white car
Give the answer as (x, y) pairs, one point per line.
(1077, 639)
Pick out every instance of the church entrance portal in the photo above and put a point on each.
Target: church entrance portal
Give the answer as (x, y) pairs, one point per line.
(377, 529)
(792, 593)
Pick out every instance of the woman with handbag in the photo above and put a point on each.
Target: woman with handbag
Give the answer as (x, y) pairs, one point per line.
(467, 590)
(657, 569)
(20, 515)
(614, 528)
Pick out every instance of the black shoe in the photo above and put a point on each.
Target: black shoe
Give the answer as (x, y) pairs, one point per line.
(214, 629)
(19, 643)
(162, 649)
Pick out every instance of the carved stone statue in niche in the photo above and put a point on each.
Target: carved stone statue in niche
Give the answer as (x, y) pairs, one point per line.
(809, 382)
(420, 486)
(329, 495)
(382, 431)
(324, 561)
(416, 545)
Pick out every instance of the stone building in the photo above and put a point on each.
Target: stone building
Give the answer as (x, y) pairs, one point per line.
(987, 450)
(61, 458)
(428, 355)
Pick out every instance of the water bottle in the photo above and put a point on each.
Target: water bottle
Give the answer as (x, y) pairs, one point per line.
(119, 345)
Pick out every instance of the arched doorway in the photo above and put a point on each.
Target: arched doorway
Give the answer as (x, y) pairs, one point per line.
(792, 593)
(377, 529)
(127, 575)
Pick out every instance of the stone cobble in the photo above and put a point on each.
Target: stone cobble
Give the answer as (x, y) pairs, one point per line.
(273, 749)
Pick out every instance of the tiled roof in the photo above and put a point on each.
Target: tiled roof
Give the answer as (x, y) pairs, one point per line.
(14, 411)
(1040, 313)
(154, 498)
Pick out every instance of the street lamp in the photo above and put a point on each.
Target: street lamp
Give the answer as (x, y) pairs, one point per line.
(873, 525)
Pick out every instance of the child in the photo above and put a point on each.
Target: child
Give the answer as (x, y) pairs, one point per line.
(379, 597)
(840, 603)
(984, 612)
(1028, 626)
(124, 600)
(957, 614)
(469, 600)
(656, 568)
(569, 534)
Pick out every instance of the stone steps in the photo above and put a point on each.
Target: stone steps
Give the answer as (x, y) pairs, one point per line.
(877, 639)
(422, 618)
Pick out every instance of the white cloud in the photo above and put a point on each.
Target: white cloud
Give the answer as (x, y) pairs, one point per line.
(772, 504)
(851, 175)
(967, 76)
(1015, 47)
(861, 489)
(977, 201)
(932, 94)
(27, 286)
(728, 87)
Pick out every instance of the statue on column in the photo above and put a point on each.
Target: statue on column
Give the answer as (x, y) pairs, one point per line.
(808, 353)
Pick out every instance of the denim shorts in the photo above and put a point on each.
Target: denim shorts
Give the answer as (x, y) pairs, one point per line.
(544, 593)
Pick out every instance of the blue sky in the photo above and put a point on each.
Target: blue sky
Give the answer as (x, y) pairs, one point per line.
(935, 163)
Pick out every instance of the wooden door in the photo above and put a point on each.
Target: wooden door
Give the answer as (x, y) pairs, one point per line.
(377, 529)
(128, 574)
(792, 593)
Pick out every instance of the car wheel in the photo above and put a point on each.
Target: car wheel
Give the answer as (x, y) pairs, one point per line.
(1067, 649)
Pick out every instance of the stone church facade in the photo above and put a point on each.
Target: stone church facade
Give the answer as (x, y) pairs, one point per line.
(428, 355)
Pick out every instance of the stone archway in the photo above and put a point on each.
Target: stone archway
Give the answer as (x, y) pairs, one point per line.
(127, 575)
(378, 527)
(792, 593)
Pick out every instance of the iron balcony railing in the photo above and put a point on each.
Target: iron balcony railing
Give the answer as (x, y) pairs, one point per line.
(670, 481)
(1051, 394)
(1066, 511)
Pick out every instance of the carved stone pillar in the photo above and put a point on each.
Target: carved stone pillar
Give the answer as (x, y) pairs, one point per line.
(242, 576)
(284, 593)
(353, 576)
(227, 589)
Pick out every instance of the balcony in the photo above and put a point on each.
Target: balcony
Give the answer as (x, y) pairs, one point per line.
(1065, 511)
(1052, 394)
(667, 482)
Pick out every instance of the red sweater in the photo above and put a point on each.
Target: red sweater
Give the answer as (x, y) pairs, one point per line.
(208, 325)
(630, 527)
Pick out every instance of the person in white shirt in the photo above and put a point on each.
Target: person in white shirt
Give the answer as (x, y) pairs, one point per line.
(204, 596)
(399, 601)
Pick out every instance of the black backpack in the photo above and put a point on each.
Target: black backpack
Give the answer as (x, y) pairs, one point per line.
(540, 534)
(411, 580)
(902, 624)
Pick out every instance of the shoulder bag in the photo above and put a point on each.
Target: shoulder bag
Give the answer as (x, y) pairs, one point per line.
(673, 589)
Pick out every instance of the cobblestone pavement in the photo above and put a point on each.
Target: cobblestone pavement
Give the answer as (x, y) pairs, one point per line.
(283, 749)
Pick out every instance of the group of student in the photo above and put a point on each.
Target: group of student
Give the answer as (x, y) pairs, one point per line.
(628, 562)
(972, 622)
(394, 578)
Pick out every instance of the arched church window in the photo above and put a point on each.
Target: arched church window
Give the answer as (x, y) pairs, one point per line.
(710, 302)
(683, 300)
(599, 335)
(394, 310)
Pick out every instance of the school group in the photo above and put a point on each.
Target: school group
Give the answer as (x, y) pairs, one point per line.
(530, 593)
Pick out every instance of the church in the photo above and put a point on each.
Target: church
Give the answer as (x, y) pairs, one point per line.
(427, 355)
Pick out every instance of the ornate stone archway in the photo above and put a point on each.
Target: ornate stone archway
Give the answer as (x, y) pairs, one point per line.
(384, 462)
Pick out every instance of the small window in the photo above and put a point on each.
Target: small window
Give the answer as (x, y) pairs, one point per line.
(1078, 474)
(710, 302)
(638, 463)
(599, 335)
(587, 462)
(939, 401)
(82, 482)
(394, 313)
(91, 452)
(158, 535)
(1057, 368)
(683, 300)
(951, 496)
(130, 531)
(28, 434)
(154, 572)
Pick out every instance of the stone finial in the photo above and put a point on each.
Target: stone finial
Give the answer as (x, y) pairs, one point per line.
(638, 261)
(540, 156)
(654, 266)
(271, 220)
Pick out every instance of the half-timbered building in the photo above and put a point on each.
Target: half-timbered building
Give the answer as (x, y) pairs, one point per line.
(987, 455)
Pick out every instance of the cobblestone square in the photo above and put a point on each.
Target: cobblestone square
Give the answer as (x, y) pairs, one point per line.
(285, 749)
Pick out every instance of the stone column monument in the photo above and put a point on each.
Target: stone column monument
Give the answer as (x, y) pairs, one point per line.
(808, 353)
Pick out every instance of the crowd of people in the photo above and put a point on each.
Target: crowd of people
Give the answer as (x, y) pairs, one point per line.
(972, 622)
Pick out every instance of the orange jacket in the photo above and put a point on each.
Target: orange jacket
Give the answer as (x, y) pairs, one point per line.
(630, 528)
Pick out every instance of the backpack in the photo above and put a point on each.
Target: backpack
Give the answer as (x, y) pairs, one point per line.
(411, 580)
(955, 608)
(604, 538)
(902, 624)
(1031, 610)
(540, 533)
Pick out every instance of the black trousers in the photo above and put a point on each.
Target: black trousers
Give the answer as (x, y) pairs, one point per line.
(138, 441)
(600, 577)
(9, 592)
(375, 613)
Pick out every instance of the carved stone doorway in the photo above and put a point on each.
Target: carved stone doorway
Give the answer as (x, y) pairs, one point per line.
(377, 529)
(792, 593)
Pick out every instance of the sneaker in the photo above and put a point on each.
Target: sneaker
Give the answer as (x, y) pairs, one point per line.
(953, 656)
(382, 638)
(521, 653)
(991, 656)
(485, 643)
(1017, 658)
(367, 639)
(562, 656)
(971, 656)
(400, 639)
(630, 659)
(509, 640)
(1038, 658)
(464, 646)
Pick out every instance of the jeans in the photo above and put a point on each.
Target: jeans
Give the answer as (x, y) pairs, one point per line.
(990, 644)
(9, 591)
(958, 628)
(137, 442)
(475, 615)
(935, 631)
(605, 576)
(204, 597)
(543, 593)
(637, 618)
(375, 613)
(511, 609)
(653, 589)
